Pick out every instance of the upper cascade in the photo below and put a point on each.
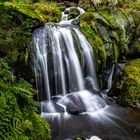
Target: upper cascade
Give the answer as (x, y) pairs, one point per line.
(65, 14)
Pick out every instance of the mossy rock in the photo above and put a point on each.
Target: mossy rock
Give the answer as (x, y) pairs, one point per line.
(108, 31)
(135, 49)
(45, 12)
(136, 16)
(130, 84)
(74, 12)
(17, 22)
(138, 31)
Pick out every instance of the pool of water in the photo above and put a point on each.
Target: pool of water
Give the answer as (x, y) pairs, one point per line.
(109, 123)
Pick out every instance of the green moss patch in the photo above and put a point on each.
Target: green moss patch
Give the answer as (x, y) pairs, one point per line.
(17, 22)
(130, 82)
(45, 12)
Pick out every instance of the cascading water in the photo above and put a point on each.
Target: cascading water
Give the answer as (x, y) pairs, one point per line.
(64, 64)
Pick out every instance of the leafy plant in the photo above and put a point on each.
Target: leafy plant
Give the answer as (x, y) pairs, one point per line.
(18, 109)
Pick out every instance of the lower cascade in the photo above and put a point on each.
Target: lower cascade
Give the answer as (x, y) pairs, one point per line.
(68, 88)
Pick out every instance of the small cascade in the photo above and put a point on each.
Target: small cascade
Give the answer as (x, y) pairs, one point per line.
(109, 83)
(65, 14)
(63, 61)
(66, 80)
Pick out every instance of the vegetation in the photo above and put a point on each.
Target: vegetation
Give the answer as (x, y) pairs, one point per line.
(17, 109)
(109, 33)
(130, 84)
(18, 21)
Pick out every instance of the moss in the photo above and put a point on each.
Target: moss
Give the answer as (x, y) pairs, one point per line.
(96, 27)
(116, 53)
(78, 138)
(87, 17)
(136, 16)
(130, 92)
(18, 21)
(135, 49)
(96, 42)
(18, 109)
(74, 12)
(45, 12)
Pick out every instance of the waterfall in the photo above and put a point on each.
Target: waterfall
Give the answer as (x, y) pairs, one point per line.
(63, 59)
(65, 14)
(64, 65)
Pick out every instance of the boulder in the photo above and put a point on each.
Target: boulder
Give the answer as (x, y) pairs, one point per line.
(51, 107)
(135, 49)
(138, 31)
(74, 104)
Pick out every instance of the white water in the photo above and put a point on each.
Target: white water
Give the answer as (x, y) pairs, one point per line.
(65, 14)
(63, 59)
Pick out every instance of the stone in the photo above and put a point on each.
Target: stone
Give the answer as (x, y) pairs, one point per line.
(74, 104)
(135, 49)
(95, 138)
(138, 31)
(51, 107)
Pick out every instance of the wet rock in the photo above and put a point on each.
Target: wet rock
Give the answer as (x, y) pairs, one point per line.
(74, 104)
(138, 30)
(76, 22)
(116, 86)
(73, 109)
(95, 138)
(51, 107)
(56, 98)
(135, 49)
(89, 85)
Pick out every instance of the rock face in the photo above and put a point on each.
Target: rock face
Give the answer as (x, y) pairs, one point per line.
(127, 86)
(135, 49)
(108, 32)
(138, 31)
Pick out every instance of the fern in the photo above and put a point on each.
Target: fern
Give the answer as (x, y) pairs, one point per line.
(18, 120)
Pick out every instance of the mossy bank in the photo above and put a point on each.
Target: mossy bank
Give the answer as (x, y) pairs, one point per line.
(20, 119)
(130, 84)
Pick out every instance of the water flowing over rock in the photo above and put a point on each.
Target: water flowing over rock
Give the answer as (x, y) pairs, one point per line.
(63, 61)
(69, 91)
(64, 65)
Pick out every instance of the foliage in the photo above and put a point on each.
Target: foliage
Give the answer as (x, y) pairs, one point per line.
(130, 83)
(17, 109)
(18, 20)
